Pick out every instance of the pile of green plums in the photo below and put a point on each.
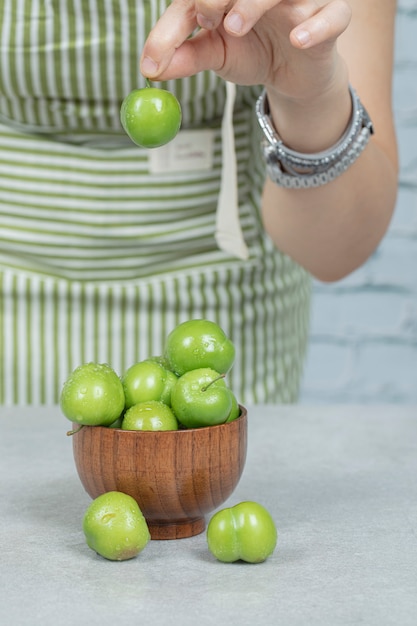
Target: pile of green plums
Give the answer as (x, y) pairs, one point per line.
(183, 388)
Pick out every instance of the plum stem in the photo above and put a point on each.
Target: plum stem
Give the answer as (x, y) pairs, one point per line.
(76, 430)
(220, 376)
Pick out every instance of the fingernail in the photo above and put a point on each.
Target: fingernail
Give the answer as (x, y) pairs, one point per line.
(303, 36)
(148, 66)
(205, 22)
(234, 23)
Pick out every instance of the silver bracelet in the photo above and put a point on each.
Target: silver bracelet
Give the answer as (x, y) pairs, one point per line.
(296, 170)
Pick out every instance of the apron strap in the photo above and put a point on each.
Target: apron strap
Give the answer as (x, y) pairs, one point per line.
(229, 235)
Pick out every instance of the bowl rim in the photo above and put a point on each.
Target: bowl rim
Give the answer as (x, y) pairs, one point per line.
(243, 415)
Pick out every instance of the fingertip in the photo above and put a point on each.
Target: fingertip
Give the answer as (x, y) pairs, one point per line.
(234, 23)
(148, 67)
(205, 22)
(301, 37)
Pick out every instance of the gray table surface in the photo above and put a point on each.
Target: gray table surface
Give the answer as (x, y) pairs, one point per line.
(339, 481)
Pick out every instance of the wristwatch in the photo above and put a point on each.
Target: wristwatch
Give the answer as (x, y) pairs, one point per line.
(296, 170)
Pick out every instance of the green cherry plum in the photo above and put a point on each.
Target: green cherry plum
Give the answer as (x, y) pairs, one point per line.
(170, 381)
(244, 532)
(115, 527)
(235, 410)
(117, 423)
(162, 360)
(150, 116)
(199, 343)
(147, 380)
(201, 398)
(92, 395)
(151, 415)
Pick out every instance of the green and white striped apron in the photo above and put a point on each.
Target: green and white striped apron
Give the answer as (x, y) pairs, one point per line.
(105, 247)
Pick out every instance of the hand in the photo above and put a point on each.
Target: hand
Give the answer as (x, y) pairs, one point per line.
(287, 45)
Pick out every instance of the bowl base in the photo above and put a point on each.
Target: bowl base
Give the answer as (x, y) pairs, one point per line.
(177, 530)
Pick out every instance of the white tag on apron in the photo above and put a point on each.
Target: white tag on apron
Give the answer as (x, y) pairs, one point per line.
(189, 151)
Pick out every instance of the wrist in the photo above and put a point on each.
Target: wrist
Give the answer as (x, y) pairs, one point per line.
(296, 170)
(299, 120)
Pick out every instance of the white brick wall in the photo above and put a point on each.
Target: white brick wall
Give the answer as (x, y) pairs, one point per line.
(363, 344)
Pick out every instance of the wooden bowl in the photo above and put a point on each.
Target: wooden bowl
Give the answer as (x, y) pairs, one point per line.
(176, 477)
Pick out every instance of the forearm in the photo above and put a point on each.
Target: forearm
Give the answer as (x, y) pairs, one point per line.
(332, 229)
